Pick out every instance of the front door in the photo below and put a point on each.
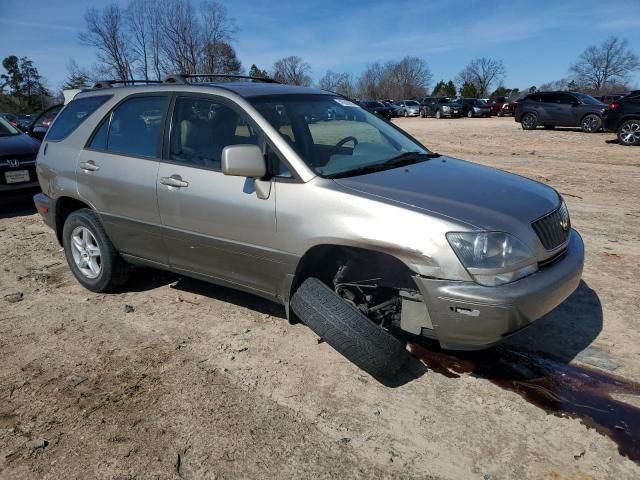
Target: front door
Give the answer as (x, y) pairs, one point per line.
(117, 173)
(213, 224)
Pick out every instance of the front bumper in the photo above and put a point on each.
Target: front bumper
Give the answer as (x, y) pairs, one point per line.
(469, 316)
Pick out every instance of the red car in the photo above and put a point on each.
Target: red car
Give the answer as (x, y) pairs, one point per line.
(501, 106)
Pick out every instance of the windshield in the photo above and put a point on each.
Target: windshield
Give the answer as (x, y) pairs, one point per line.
(6, 128)
(587, 99)
(332, 135)
(411, 103)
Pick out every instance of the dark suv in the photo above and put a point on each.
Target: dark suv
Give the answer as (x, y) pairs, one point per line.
(566, 109)
(623, 117)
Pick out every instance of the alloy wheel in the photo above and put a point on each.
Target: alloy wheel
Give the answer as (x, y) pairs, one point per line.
(591, 123)
(629, 133)
(528, 121)
(86, 252)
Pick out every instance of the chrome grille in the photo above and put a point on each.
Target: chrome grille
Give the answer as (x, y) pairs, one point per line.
(553, 229)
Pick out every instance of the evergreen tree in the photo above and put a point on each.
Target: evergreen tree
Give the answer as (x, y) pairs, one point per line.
(440, 89)
(450, 89)
(469, 90)
(255, 72)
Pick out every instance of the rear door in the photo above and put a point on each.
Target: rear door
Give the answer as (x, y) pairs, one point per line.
(117, 174)
(213, 224)
(569, 110)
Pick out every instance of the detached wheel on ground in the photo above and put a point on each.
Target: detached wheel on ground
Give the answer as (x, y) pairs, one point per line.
(629, 133)
(591, 123)
(90, 254)
(529, 121)
(347, 330)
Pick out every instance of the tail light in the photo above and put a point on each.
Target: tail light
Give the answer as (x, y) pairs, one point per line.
(613, 106)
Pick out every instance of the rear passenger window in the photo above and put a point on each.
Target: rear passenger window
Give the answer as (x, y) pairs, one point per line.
(73, 115)
(201, 128)
(136, 126)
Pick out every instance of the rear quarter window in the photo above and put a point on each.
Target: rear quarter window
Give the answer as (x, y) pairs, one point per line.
(73, 115)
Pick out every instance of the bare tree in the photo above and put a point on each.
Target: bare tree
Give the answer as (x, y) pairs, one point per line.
(482, 73)
(403, 79)
(182, 35)
(220, 57)
(599, 66)
(138, 22)
(341, 83)
(292, 70)
(106, 32)
(370, 82)
(408, 78)
(155, 21)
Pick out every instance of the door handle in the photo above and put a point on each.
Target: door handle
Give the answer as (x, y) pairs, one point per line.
(89, 166)
(174, 181)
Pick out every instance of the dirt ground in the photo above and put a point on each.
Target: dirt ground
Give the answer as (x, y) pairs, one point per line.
(175, 378)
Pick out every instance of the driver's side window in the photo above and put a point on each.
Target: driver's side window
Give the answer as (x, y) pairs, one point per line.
(201, 128)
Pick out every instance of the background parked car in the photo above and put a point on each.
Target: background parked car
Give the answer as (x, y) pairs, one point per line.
(623, 117)
(38, 128)
(396, 110)
(25, 119)
(409, 108)
(378, 108)
(496, 104)
(473, 107)
(607, 99)
(441, 107)
(11, 118)
(17, 158)
(567, 109)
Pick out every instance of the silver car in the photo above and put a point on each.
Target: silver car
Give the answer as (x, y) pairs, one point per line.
(408, 108)
(360, 231)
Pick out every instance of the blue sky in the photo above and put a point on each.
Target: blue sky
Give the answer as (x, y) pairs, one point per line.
(536, 40)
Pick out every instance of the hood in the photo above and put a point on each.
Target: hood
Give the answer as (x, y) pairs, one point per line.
(479, 196)
(21, 145)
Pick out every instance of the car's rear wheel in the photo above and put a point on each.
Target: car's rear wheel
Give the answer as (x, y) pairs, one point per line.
(529, 121)
(90, 254)
(347, 330)
(629, 133)
(591, 123)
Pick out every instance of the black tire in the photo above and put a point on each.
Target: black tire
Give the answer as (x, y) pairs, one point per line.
(549, 127)
(591, 123)
(629, 133)
(438, 114)
(500, 114)
(529, 121)
(114, 271)
(348, 330)
(470, 114)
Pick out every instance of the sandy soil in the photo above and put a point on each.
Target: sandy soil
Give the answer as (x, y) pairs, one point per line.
(198, 381)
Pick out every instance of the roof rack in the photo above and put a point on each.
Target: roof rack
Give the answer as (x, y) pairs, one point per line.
(183, 77)
(110, 83)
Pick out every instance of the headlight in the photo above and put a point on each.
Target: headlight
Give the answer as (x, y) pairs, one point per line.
(445, 108)
(493, 258)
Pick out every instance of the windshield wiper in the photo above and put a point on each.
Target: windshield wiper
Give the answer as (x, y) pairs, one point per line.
(405, 158)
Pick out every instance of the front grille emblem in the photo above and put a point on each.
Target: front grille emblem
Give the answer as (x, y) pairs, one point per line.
(13, 163)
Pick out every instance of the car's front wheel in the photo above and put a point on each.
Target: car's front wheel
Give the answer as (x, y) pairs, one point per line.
(591, 123)
(470, 114)
(529, 121)
(629, 133)
(438, 114)
(90, 254)
(347, 329)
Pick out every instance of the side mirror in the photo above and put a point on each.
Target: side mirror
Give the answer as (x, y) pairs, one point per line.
(243, 161)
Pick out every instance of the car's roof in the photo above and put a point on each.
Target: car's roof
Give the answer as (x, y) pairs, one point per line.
(243, 88)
